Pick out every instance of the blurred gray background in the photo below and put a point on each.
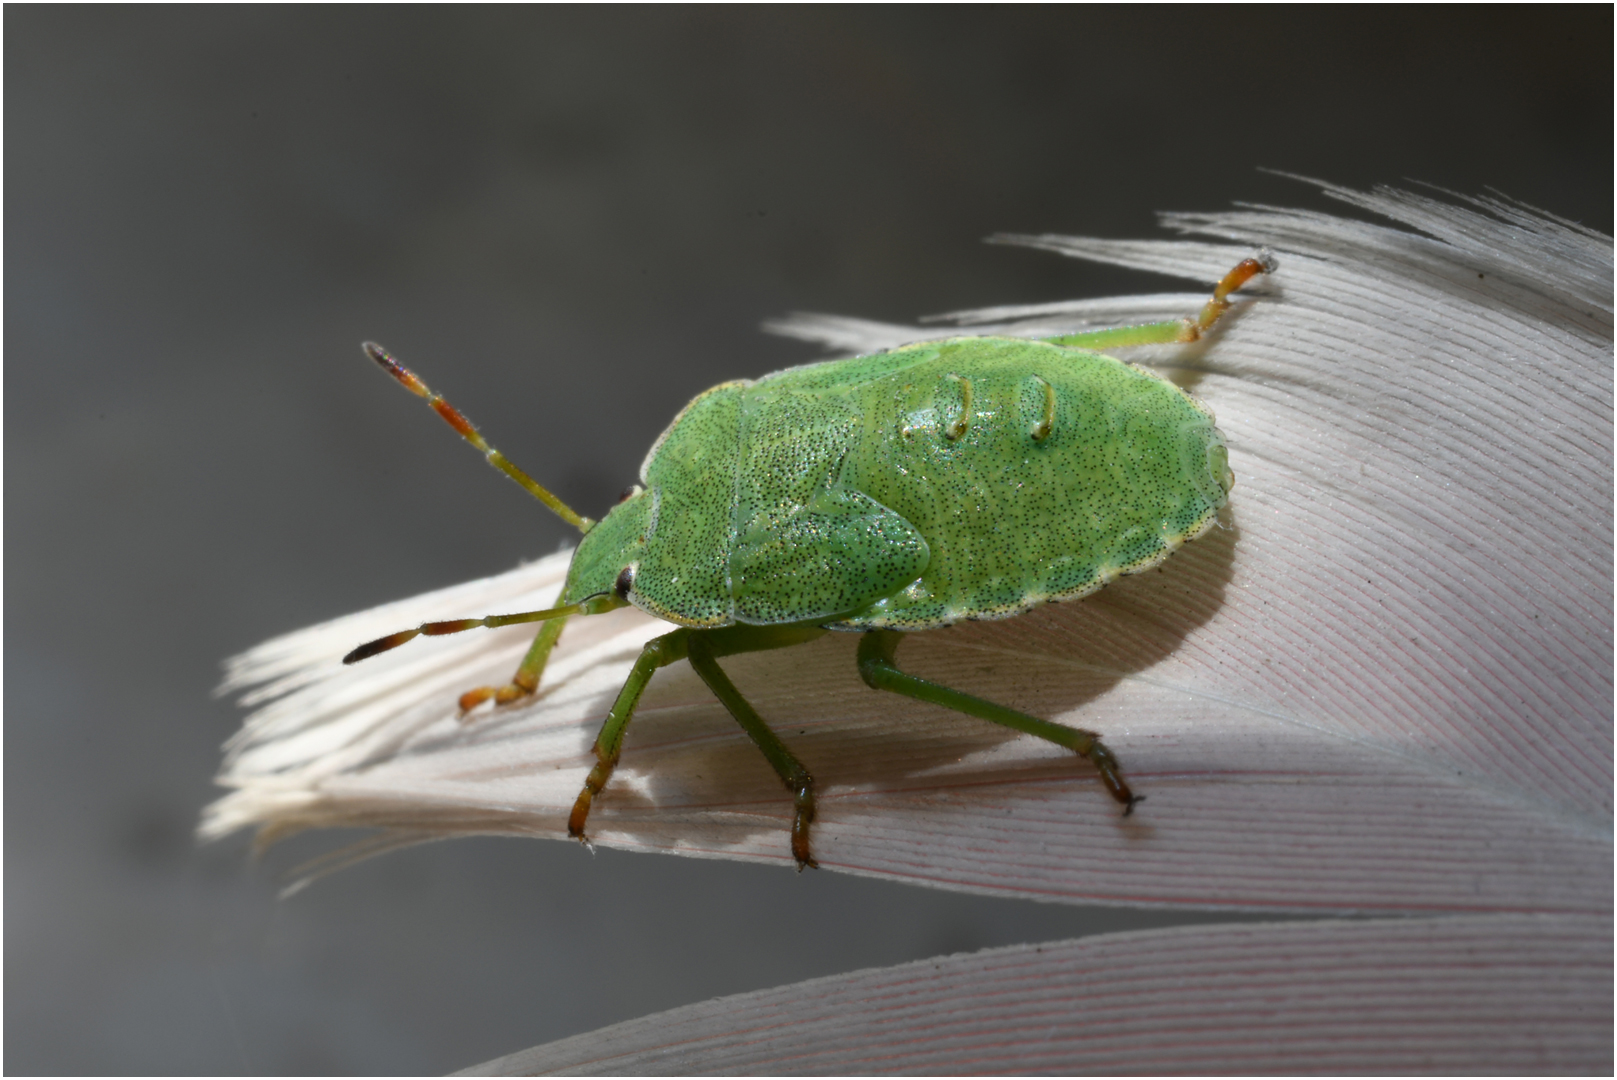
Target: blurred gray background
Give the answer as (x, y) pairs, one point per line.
(570, 221)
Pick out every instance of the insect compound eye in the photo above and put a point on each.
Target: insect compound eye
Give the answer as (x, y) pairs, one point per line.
(624, 583)
(630, 492)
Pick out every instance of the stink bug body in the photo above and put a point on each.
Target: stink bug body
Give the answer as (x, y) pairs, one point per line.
(968, 478)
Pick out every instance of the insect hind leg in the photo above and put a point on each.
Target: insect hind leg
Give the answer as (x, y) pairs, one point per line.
(1176, 331)
(877, 668)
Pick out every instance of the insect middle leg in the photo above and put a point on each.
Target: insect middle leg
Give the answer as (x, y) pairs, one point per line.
(702, 648)
(876, 666)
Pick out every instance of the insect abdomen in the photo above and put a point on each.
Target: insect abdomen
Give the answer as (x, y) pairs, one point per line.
(1033, 472)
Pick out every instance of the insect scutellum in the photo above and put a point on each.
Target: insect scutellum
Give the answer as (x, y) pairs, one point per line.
(771, 511)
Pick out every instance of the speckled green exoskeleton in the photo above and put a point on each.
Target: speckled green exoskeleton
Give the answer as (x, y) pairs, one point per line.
(968, 478)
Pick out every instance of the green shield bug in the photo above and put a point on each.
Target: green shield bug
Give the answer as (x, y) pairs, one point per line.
(967, 478)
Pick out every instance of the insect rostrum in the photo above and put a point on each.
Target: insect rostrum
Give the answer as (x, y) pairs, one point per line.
(968, 478)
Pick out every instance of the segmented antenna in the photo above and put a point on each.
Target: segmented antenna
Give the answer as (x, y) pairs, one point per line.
(454, 419)
(455, 626)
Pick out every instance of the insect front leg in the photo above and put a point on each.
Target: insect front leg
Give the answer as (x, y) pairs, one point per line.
(525, 681)
(658, 652)
(876, 666)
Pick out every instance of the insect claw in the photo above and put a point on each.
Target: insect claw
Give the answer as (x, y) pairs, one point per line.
(800, 852)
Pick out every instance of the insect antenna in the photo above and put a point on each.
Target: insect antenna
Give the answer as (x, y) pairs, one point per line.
(455, 626)
(454, 419)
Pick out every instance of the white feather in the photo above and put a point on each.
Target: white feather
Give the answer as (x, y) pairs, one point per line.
(1385, 686)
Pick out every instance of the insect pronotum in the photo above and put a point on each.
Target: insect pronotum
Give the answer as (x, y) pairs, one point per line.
(875, 494)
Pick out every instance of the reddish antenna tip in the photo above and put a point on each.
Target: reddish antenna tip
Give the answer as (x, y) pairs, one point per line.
(383, 357)
(402, 374)
(380, 645)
